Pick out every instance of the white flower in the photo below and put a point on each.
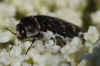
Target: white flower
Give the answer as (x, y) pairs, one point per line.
(5, 36)
(56, 3)
(25, 64)
(13, 57)
(96, 17)
(6, 10)
(72, 47)
(23, 6)
(74, 4)
(4, 57)
(73, 51)
(70, 16)
(16, 50)
(16, 58)
(48, 60)
(92, 35)
(83, 63)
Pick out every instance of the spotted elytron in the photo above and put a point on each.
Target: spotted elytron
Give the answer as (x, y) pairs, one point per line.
(33, 26)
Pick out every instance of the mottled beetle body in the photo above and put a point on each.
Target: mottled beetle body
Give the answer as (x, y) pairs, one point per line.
(33, 26)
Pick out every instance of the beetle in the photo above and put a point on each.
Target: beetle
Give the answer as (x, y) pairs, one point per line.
(31, 27)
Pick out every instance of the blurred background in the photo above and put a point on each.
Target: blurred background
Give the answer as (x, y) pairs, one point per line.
(80, 12)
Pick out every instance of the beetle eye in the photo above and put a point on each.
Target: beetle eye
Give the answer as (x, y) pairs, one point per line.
(21, 33)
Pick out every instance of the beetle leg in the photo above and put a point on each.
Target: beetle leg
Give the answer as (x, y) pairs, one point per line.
(30, 46)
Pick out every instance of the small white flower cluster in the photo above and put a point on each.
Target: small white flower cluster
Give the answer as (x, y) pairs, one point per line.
(46, 52)
(92, 35)
(13, 57)
(96, 17)
(5, 36)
